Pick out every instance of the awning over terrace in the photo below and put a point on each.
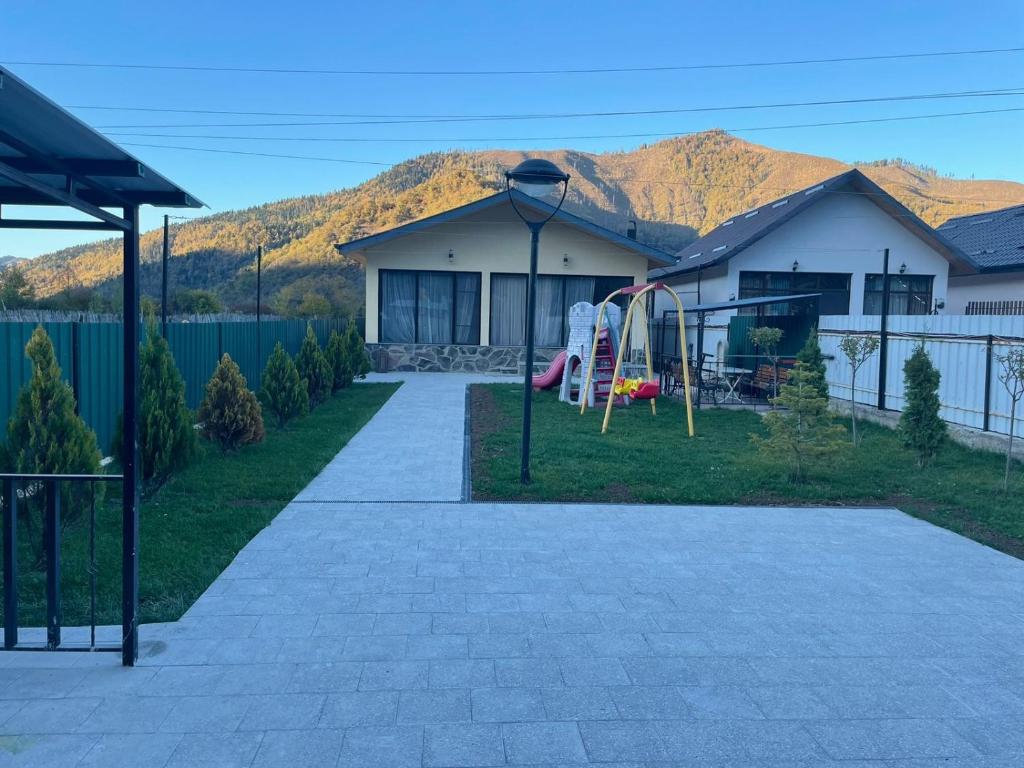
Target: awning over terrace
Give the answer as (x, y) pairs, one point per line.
(48, 157)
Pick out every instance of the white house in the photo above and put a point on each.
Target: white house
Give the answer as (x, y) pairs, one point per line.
(827, 239)
(448, 292)
(994, 242)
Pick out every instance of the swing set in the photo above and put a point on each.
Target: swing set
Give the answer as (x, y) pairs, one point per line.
(638, 388)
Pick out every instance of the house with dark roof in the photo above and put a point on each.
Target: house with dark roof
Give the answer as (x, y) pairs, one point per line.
(448, 292)
(994, 242)
(828, 239)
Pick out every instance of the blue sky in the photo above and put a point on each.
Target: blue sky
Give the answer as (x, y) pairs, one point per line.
(473, 36)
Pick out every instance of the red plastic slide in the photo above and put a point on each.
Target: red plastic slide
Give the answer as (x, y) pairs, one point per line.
(552, 377)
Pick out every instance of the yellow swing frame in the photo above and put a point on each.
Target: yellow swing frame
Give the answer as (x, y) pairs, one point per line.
(639, 300)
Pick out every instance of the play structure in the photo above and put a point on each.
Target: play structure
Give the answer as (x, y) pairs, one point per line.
(636, 388)
(582, 347)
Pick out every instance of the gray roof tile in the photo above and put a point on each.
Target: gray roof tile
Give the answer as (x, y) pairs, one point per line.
(993, 240)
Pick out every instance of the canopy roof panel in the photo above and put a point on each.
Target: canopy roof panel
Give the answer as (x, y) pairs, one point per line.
(44, 146)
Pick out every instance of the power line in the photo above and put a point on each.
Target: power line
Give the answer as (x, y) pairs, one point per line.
(1016, 91)
(259, 154)
(243, 113)
(335, 139)
(514, 72)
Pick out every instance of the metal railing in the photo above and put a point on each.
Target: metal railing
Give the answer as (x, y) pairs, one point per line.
(16, 488)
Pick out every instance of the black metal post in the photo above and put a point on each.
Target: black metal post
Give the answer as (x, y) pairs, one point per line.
(883, 333)
(989, 341)
(10, 501)
(129, 448)
(531, 303)
(698, 283)
(698, 355)
(163, 280)
(51, 535)
(259, 307)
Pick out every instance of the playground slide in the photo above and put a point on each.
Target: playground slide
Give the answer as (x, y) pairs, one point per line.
(552, 377)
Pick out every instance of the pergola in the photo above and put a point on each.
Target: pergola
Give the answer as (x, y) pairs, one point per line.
(50, 158)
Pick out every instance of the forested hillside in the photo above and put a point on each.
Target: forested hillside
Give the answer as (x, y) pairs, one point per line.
(675, 190)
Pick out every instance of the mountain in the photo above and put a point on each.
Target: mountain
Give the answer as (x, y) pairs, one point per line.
(675, 190)
(7, 260)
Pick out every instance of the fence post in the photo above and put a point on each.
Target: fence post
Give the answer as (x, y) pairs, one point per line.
(51, 535)
(10, 501)
(988, 381)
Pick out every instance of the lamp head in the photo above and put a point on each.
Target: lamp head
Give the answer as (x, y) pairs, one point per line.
(536, 177)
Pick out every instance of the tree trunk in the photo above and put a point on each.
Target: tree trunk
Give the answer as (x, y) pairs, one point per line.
(853, 405)
(1009, 446)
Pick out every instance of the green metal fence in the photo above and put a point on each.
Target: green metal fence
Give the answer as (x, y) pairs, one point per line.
(795, 329)
(89, 355)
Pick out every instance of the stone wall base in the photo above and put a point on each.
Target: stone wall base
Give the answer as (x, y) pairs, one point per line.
(438, 358)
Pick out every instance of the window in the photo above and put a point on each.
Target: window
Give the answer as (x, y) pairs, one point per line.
(555, 294)
(429, 307)
(908, 294)
(833, 287)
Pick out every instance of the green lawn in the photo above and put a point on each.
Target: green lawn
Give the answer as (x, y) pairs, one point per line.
(195, 524)
(651, 459)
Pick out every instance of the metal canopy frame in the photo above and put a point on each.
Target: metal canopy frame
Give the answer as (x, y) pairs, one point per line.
(50, 158)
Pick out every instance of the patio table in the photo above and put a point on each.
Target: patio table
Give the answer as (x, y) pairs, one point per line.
(732, 377)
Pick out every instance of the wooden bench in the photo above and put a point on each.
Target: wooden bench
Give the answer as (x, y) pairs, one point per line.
(764, 377)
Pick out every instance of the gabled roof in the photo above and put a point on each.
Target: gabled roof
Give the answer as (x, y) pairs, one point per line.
(743, 230)
(994, 241)
(658, 257)
(42, 146)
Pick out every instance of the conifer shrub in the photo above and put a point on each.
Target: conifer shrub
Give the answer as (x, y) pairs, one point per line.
(314, 368)
(46, 436)
(357, 360)
(814, 363)
(230, 413)
(920, 427)
(337, 356)
(167, 440)
(804, 432)
(283, 393)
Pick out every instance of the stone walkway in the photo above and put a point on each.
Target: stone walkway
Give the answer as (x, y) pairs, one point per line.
(444, 635)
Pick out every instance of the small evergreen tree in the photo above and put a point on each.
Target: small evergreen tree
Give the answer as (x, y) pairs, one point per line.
(357, 360)
(230, 413)
(857, 350)
(314, 368)
(167, 440)
(283, 392)
(46, 436)
(920, 425)
(337, 356)
(804, 431)
(814, 363)
(1012, 376)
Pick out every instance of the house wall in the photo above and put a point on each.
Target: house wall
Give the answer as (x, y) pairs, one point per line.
(844, 233)
(1002, 286)
(495, 240)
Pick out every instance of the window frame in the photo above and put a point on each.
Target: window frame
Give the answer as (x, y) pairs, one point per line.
(765, 275)
(416, 305)
(893, 292)
(627, 279)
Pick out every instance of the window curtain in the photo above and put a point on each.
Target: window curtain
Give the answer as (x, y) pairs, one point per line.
(508, 310)
(579, 289)
(397, 307)
(549, 312)
(435, 308)
(467, 309)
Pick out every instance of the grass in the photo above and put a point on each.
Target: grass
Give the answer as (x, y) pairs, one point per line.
(651, 460)
(193, 526)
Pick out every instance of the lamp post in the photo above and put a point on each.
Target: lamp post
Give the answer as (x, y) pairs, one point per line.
(535, 178)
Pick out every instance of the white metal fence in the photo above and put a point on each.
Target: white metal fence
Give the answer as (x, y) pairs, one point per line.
(964, 348)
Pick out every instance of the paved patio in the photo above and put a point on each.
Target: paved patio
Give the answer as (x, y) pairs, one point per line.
(457, 635)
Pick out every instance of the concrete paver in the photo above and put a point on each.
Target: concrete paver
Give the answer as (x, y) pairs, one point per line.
(419, 633)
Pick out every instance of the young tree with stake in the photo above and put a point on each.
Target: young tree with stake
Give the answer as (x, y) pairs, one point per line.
(1012, 376)
(857, 350)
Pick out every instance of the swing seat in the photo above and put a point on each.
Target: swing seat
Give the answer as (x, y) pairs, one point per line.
(649, 390)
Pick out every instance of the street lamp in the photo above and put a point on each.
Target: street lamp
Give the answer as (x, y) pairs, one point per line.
(535, 178)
